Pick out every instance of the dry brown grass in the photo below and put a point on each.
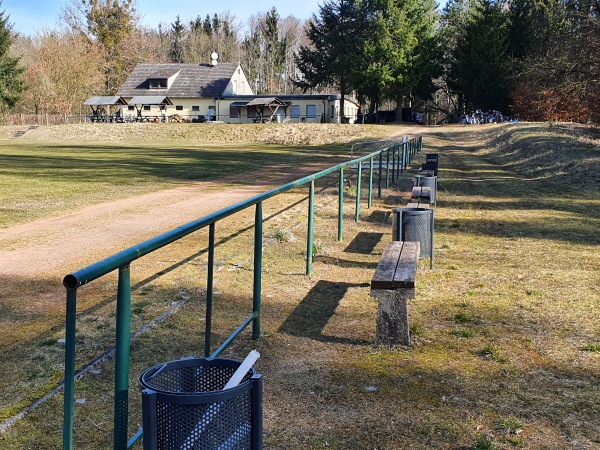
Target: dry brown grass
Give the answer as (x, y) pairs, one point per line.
(504, 327)
(206, 133)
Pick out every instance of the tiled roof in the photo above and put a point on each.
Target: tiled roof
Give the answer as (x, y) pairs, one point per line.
(105, 100)
(193, 81)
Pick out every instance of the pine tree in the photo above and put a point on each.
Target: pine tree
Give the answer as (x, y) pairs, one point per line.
(207, 26)
(274, 51)
(480, 60)
(11, 85)
(176, 52)
(331, 58)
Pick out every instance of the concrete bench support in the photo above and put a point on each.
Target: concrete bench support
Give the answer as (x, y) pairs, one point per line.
(393, 285)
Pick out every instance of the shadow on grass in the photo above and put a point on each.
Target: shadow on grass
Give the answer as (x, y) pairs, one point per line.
(345, 263)
(364, 243)
(567, 230)
(312, 314)
(122, 164)
(582, 209)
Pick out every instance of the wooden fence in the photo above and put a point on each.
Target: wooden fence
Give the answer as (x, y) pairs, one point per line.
(33, 119)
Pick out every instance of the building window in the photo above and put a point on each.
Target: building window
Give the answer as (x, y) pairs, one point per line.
(130, 108)
(178, 107)
(146, 107)
(311, 111)
(157, 83)
(252, 111)
(212, 113)
(233, 112)
(196, 108)
(295, 112)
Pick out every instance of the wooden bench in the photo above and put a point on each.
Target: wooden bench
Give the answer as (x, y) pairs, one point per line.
(421, 194)
(425, 205)
(428, 173)
(430, 166)
(393, 285)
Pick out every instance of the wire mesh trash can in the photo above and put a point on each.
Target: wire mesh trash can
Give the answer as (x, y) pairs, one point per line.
(421, 180)
(415, 225)
(185, 407)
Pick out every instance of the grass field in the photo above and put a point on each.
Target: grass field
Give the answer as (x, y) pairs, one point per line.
(41, 180)
(506, 328)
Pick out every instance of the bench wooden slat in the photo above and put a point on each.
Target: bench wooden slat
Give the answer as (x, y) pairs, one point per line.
(384, 274)
(418, 205)
(406, 272)
(421, 192)
(397, 269)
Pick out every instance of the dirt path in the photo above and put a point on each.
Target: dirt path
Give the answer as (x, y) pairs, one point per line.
(99, 230)
(70, 241)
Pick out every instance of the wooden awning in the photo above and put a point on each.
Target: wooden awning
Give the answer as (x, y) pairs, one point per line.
(105, 100)
(150, 100)
(238, 104)
(268, 101)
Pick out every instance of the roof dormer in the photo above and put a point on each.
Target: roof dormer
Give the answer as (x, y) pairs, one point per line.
(161, 79)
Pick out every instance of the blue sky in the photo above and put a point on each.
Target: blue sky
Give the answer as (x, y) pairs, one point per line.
(30, 16)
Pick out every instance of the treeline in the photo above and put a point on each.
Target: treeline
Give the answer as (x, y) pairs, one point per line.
(538, 59)
(99, 42)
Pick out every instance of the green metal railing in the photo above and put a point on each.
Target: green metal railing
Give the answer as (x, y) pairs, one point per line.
(401, 154)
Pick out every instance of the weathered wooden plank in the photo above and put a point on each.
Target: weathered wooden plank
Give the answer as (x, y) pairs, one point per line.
(384, 274)
(397, 267)
(426, 205)
(406, 271)
(421, 192)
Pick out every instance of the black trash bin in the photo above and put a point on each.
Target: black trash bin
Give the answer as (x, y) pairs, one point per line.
(415, 225)
(185, 407)
(431, 158)
(422, 180)
(430, 166)
(431, 163)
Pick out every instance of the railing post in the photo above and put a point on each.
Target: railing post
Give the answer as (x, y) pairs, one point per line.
(256, 296)
(121, 413)
(209, 289)
(404, 156)
(399, 162)
(69, 391)
(358, 183)
(341, 207)
(309, 239)
(380, 176)
(370, 201)
(387, 169)
(431, 244)
(393, 164)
